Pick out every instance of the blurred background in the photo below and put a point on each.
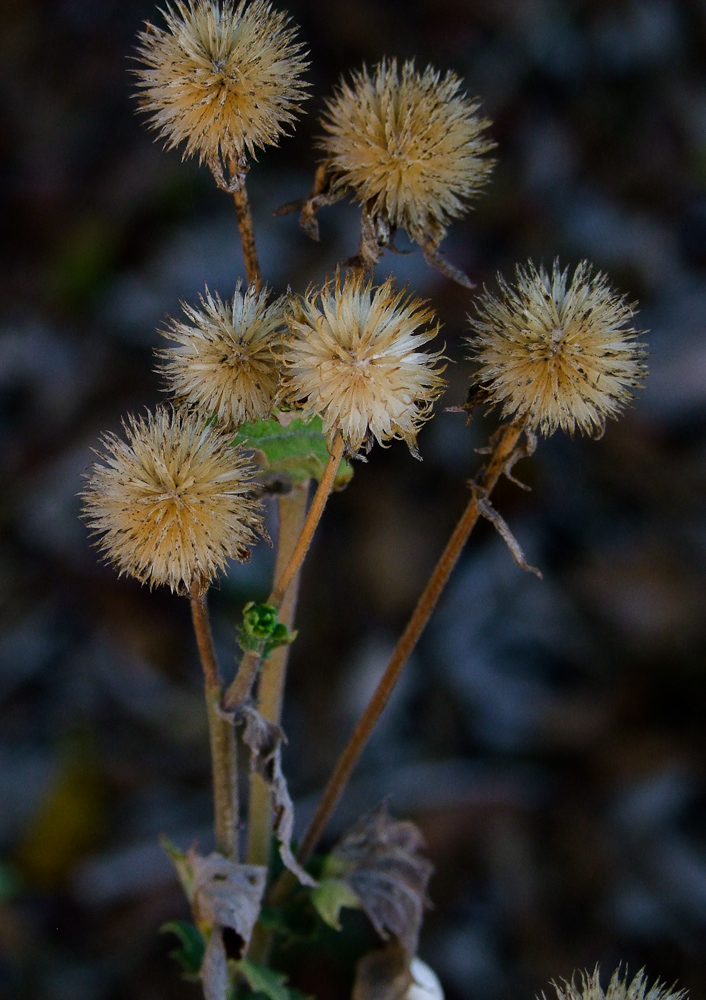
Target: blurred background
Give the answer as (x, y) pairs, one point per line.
(549, 738)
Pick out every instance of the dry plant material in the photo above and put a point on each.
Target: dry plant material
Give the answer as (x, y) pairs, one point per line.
(588, 987)
(379, 859)
(264, 740)
(174, 502)
(408, 146)
(559, 354)
(383, 974)
(224, 362)
(222, 79)
(354, 359)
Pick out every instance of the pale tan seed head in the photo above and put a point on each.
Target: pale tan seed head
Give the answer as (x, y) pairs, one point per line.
(174, 502)
(561, 354)
(354, 359)
(588, 987)
(224, 362)
(220, 78)
(408, 144)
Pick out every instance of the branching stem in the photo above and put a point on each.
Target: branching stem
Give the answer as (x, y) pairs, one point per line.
(239, 690)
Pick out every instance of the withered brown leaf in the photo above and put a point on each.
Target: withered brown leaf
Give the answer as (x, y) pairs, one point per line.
(264, 740)
(379, 859)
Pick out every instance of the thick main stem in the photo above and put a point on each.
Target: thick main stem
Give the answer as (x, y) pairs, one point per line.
(221, 733)
(239, 690)
(292, 514)
(504, 446)
(247, 233)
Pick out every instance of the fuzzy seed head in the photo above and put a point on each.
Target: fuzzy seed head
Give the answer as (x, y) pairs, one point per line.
(172, 503)
(409, 145)
(588, 987)
(354, 359)
(560, 354)
(221, 79)
(223, 362)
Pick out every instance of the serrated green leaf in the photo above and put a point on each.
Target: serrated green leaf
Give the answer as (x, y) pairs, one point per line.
(330, 896)
(297, 450)
(260, 979)
(190, 954)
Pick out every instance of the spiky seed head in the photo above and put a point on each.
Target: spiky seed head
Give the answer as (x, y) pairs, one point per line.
(561, 354)
(172, 503)
(588, 987)
(223, 79)
(354, 359)
(224, 362)
(409, 145)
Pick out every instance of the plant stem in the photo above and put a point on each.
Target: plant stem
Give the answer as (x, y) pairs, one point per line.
(504, 446)
(239, 690)
(247, 233)
(222, 735)
(292, 514)
(309, 527)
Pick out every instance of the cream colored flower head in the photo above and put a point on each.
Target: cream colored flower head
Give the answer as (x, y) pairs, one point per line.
(223, 362)
(221, 79)
(409, 145)
(558, 353)
(354, 359)
(588, 987)
(174, 502)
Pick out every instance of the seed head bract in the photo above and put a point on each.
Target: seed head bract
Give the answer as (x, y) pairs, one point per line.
(174, 502)
(220, 78)
(558, 353)
(354, 359)
(409, 145)
(223, 361)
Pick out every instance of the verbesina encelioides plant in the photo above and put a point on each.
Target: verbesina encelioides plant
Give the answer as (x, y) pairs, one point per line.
(271, 392)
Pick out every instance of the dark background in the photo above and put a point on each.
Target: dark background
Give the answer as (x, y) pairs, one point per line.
(547, 737)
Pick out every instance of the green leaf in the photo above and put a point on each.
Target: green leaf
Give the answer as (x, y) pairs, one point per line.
(260, 979)
(261, 630)
(297, 450)
(190, 954)
(183, 866)
(330, 896)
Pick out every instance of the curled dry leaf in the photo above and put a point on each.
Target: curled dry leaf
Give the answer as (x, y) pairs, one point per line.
(379, 860)
(226, 894)
(264, 740)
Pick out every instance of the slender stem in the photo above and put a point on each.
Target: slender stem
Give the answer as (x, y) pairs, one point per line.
(239, 690)
(312, 520)
(221, 733)
(292, 514)
(504, 446)
(247, 233)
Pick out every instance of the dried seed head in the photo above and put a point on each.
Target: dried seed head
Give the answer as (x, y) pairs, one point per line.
(409, 145)
(174, 502)
(224, 362)
(589, 987)
(220, 78)
(560, 354)
(354, 359)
